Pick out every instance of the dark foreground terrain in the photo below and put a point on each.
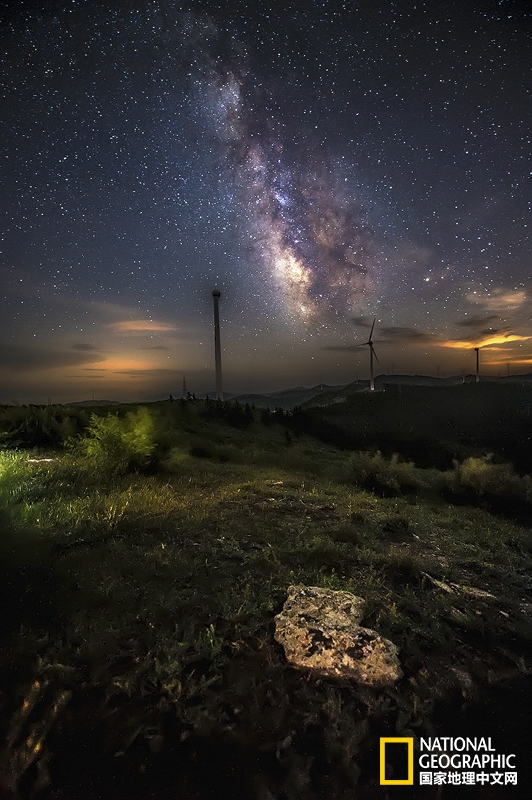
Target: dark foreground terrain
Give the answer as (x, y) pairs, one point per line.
(146, 553)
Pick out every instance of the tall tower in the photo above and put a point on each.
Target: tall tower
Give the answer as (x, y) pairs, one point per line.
(478, 366)
(217, 347)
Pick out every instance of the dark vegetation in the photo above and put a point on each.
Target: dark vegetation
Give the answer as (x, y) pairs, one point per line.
(143, 564)
(431, 425)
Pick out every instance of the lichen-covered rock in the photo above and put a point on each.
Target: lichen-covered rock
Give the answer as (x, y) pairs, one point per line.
(319, 630)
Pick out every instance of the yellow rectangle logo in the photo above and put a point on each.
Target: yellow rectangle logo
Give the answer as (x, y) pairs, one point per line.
(387, 742)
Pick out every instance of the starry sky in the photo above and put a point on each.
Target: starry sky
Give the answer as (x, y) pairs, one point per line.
(322, 164)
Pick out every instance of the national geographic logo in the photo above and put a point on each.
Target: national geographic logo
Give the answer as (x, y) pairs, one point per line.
(445, 760)
(397, 761)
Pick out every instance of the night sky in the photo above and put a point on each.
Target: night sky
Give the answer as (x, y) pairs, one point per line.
(320, 163)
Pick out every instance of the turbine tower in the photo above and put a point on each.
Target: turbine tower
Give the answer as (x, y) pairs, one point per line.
(217, 347)
(371, 354)
(478, 371)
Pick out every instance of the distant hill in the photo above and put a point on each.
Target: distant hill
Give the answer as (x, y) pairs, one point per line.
(325, 394)
(287, 398)
(430, 424)
(451, 380)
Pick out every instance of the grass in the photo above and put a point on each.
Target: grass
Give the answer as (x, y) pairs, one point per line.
(159, 590)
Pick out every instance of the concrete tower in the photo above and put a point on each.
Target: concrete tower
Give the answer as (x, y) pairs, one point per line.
(217, 347)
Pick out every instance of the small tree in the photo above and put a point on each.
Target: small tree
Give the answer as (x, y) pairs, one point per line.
(120, 445)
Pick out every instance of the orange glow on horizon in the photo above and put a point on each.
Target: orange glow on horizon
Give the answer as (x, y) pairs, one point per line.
(487, 342)
(511, 361)
(122, 364)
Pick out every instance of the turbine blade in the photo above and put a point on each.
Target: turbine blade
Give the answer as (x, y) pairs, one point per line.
(374, 353)
(371, 334)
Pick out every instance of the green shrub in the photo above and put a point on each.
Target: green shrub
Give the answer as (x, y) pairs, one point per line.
(375, 470)
(38, 426)
(120, 445)
(484, 477)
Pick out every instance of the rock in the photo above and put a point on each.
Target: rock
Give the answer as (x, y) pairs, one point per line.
(319, 630)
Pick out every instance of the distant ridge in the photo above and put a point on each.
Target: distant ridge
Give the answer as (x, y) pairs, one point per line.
(287, 398)
(96, 403)
(325, 394)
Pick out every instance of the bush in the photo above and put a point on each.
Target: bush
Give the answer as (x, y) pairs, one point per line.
(375, 472)
(38, 426)
(484, 477)
(120, 445)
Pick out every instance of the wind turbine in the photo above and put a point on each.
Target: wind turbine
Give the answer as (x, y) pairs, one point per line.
(371, 354)
(217, 347)
(477, 349)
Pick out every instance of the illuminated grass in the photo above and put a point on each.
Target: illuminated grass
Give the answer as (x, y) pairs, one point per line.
(166, 585)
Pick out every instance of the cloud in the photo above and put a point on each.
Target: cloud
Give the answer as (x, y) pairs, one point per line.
(22, 357)
(478, 322)
(505, 359)
(480, 334)
(501, 300)
(487, 341)
(148, 373)
(388, 334)
(343, 348)
(393, 334)
(85, 347)
(124, 363)
(479, 328)
(136, 325)
(87, 377)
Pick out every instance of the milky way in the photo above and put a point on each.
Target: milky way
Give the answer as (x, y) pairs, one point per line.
(310, 239)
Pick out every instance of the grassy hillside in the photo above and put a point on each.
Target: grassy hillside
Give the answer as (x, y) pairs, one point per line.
(431, 425)
(142, 569)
